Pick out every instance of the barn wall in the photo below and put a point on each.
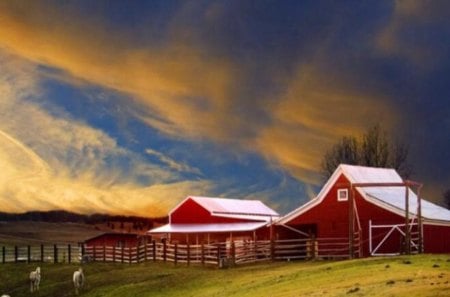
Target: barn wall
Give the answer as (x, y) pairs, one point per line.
(192, 213)
(436, 239)
(112, 240)
(331, 219)
(194, 238)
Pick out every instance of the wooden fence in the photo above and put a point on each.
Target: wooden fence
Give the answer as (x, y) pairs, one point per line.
(56, 253)
(217, 254)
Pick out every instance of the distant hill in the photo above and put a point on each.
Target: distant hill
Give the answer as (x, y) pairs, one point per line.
(62, 216)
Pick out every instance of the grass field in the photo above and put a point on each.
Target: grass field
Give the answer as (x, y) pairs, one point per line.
(423, 275)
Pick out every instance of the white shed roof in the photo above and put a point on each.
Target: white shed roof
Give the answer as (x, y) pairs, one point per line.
(208, 228)
(233, 208)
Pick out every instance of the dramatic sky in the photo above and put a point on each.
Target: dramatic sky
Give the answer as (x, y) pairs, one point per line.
(130, 106)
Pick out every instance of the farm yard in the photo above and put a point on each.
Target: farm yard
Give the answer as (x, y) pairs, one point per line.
(418, 275)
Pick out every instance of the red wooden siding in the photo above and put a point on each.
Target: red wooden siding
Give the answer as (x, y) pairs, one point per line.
(192, 213)
(436, 239)
(331, 219)
(113, 240)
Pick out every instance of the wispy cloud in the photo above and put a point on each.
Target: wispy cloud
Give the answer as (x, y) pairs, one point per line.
(51, 161)
(188, 87)
(173, 164)
(191, 93)
(416, 33)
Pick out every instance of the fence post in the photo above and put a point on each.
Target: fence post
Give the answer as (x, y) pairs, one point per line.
(145, 250)
(95, 253)
(69, 253)
(130, 258)
(15, 253)
(114, 254)
(123, 253)
(203, 253)
(154, 250)
(218, 254)
(233, 253)
(83, 251)
(3, 255)
(175, 254)
(42, 253)
(313, 247)
(188, 254)
(28, 254)
(55, 253)
(104, 252)
(137, 252)
(272, 250)
(164, 250)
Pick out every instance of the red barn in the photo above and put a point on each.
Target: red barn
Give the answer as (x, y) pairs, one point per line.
(209, 220)
(379, 220)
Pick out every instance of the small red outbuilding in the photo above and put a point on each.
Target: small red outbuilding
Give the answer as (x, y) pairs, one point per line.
(115, 239)
(209, 220)
(379, 218)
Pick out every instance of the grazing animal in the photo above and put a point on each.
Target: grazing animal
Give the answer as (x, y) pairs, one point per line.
(78, 280)
(35, 279)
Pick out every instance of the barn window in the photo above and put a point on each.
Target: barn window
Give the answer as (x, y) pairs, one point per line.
(342, 195)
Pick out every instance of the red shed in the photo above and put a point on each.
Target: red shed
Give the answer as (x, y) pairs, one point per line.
(379, 219)
(204, 219)
(114, 239)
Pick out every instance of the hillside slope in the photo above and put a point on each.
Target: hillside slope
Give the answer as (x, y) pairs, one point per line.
(423, 275)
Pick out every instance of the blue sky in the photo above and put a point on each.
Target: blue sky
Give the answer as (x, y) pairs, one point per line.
(128, 107)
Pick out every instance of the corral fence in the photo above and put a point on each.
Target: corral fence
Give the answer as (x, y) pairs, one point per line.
(222, 254)
(55, 253)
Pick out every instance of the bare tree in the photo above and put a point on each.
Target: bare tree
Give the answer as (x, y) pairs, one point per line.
(373, 149)
(345, 151)
(447, 198)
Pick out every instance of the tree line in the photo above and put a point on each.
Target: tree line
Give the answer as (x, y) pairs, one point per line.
(62, 216)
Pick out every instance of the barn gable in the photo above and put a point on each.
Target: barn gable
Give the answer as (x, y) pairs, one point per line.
(195, 209)
(389, 198)
(378, 217)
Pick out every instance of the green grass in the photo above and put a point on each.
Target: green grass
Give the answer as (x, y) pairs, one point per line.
(422, 275)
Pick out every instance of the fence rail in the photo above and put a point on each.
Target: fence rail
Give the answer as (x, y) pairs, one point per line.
(56, 253)
(217, 254)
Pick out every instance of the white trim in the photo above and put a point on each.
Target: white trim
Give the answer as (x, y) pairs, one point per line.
(435, 223)
(341, 191)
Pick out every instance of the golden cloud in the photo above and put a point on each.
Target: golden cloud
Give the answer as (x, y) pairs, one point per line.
(418, 19)
(55, 162)
(188, 88)
(187, 91)
(311, 117)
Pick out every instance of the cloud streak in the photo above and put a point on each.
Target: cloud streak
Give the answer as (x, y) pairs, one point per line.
(196, 84)
(50, 161)
(190, 93)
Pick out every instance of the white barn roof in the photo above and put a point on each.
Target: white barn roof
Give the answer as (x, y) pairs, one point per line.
(390, 198)
(233, 208)
(208, 228)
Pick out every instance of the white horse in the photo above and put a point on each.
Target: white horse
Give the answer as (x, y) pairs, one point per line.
(78, 280)
(35, 279)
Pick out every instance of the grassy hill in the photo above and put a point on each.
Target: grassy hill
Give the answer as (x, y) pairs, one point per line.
(422, 275)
